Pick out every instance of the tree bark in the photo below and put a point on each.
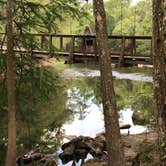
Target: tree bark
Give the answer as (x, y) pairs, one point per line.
(11, 150)
(115, 151)
(159, 56)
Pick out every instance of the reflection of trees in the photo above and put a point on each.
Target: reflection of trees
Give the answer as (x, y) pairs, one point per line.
(81, 95)
(138, 96)
(143, 102)
(40, 105)
(79, 101)
(132, 94)
(124, 90)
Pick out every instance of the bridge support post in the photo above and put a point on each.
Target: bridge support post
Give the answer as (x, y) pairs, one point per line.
(61, 43)
(133, 51)
(121, 58)
(95, 50)
(50, 45)
(133, 47)
(151, 51)
(71, 55)
(42, 41)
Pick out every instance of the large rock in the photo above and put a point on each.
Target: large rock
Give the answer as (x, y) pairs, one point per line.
(78, 148)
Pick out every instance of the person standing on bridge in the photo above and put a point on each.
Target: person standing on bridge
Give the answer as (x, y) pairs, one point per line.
(88, 41)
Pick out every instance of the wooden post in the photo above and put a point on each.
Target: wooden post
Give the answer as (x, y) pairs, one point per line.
(151, 51)
(61, 42)
(95, 50)
(133, 51)
(71, 55)
(50, 44)
(133, 47)
(42, 39)
(83, 44)
(121, 58)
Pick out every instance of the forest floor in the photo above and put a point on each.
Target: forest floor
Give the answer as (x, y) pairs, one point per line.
(140, 150)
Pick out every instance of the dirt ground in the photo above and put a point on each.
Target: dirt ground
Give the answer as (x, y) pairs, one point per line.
(140, 150)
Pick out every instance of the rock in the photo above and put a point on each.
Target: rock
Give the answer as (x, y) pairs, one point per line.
(136, 116)
(29, 158)
(98, 147)
(48, 160)
(44, 160)
(95, 162)
(75, 150)
(78, 149)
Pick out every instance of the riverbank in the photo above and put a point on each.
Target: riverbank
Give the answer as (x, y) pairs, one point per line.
(139, 149)
(92, 70)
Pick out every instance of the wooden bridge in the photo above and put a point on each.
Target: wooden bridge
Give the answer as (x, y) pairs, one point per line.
(124, 50)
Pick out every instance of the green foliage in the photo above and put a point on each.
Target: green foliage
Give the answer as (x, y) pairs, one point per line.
(117, 10)
(163, 146)
(81, 94)
(41, 16)
(40, 102)
(144, 97)
(39, 91)
(145, 150)
(130, 20)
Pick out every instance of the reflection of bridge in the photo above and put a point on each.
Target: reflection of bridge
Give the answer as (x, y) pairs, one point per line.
(124, 50)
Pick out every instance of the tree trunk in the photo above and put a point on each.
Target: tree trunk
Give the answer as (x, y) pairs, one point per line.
(115, 152)
(159, 49)
(11, 150)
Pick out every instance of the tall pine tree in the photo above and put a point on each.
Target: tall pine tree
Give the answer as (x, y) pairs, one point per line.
(159, 46)
(11, 149)
(115, 153)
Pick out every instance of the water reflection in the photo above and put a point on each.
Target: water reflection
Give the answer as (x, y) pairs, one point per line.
(70, 73)
(91, 121)
(84, 99)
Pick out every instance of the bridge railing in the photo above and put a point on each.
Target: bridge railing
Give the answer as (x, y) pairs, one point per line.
(121, 46)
